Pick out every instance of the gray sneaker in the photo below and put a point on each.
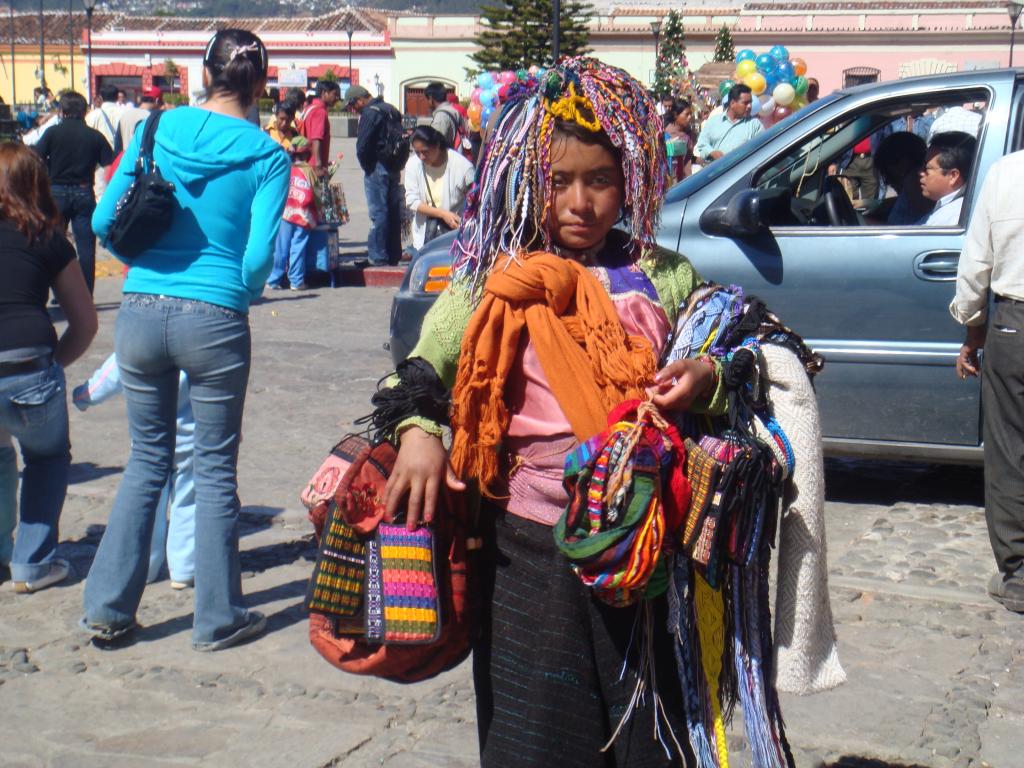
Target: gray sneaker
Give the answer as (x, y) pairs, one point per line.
(1007, 591)
(59, 569)
(255, 626)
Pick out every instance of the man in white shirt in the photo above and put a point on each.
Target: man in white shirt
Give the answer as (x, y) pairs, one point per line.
(947, 167)
(992, 262)
(105, 119)
(723, 133)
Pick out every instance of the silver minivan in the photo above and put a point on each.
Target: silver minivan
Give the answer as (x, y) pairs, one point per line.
(775, 217)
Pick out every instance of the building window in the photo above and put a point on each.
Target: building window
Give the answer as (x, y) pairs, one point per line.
(860, 76)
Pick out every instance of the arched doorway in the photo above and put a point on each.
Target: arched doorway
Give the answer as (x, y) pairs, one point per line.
(414, 103)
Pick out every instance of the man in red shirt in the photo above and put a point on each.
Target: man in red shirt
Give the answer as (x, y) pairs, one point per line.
(316, 127)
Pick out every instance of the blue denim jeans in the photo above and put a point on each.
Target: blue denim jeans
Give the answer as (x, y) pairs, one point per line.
(290, 255)
(34, 411)
(384, 242)
(155, 337)
(76, 205)
(174, 539)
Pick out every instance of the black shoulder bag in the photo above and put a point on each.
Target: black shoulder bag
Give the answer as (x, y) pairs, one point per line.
(144, 212)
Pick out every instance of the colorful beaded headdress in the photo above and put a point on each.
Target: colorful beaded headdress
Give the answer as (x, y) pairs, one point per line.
(508, 207)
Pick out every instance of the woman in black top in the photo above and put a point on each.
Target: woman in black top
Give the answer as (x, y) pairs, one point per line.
(35, 256)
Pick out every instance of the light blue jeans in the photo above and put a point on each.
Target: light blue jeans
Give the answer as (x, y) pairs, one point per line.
(34, 411)
(289, 255)
(174, 541)
(156, 337)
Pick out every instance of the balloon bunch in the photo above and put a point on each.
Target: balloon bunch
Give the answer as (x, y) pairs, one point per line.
(493, 89)
(777, 82)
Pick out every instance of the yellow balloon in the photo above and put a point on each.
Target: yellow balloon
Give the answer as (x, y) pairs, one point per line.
(756, 82)
(744, 68)
(799, 66)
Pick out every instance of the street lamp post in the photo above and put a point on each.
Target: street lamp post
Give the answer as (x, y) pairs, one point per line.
(14, 92)
(656, 31)
(42, 51)
(556, 31)
(90, 6)
(71, 40)
(350, 30)
(1013, 9)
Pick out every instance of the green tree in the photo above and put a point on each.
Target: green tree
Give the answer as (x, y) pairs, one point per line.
(517, 33)
(724, 49)
(672, 67)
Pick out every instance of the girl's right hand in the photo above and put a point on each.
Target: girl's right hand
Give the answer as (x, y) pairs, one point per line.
(420, 469)
(451, 219)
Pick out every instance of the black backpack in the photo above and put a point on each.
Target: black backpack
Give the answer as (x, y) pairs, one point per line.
(144, 212)
(393, 147)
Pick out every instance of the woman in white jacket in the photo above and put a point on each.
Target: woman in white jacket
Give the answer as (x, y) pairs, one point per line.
(436, 182)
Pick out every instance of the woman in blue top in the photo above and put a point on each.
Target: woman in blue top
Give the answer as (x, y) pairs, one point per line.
(185, 308)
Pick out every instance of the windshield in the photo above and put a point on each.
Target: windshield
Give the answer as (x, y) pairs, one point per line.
(688, 186)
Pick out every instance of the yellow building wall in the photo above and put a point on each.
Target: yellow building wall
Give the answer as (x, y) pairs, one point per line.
(26, 62)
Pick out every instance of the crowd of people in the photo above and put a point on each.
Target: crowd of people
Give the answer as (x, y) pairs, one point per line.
(561, 307)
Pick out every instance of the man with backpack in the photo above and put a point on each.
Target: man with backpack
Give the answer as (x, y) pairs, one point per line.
(444, 118)
(382, 150)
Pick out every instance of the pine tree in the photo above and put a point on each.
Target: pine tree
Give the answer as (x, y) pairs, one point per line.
(672, 67)
(724, 49)
(517, 33)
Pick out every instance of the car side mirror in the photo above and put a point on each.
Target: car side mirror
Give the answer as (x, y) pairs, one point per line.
(741, 217)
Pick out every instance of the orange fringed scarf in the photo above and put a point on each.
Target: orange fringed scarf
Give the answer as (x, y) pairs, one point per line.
(590, 363)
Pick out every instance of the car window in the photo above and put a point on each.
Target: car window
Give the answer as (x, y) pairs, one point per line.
(880, 165)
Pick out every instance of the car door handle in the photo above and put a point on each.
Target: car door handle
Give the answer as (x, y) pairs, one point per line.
(937, 266)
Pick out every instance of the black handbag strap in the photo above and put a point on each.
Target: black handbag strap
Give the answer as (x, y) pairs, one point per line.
(148, 142)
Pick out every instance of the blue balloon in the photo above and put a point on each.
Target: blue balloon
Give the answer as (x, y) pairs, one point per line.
(485, 80)
(755, 104)
(485, 115)
(779, 52)
(745, 54)
(770, 80)
(766, 64)
(488, 97)
(785, 72)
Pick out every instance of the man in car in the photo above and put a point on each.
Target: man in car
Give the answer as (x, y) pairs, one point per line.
(946, 169)
(898, 160)
(724, 132)
(993, 262)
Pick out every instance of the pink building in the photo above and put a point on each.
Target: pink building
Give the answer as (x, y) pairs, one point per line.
(842, 41)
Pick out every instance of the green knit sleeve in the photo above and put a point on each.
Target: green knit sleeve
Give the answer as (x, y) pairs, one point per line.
(441, 335)
(674, 278)
(439, 344)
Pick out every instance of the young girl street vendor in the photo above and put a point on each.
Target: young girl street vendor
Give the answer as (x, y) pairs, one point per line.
(560, 308)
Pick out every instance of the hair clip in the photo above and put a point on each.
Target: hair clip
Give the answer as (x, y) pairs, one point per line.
(251, 47)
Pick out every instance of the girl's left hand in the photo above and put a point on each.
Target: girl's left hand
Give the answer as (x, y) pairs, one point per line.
(678, 384)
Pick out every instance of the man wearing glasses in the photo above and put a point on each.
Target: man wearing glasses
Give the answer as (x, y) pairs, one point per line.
(946, 169)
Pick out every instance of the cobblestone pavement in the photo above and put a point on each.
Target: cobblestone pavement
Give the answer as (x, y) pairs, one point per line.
(935, 669)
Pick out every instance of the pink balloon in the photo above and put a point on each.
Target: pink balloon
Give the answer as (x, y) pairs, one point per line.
(782, 112)
(474, 97)
(508, 77)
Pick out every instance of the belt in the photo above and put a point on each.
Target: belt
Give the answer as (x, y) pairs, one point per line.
(862, 154)
(24, 366)
(1007, 300)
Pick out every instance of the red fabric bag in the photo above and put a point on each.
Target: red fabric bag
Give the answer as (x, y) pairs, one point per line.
(358, 500)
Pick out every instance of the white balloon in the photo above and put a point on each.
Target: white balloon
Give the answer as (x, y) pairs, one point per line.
(768, 106)
(755, 105)
(783, 94)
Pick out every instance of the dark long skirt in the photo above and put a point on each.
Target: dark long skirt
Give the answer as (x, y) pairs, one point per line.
(548, 665)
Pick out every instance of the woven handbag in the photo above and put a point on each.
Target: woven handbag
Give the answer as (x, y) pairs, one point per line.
(384, 600)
